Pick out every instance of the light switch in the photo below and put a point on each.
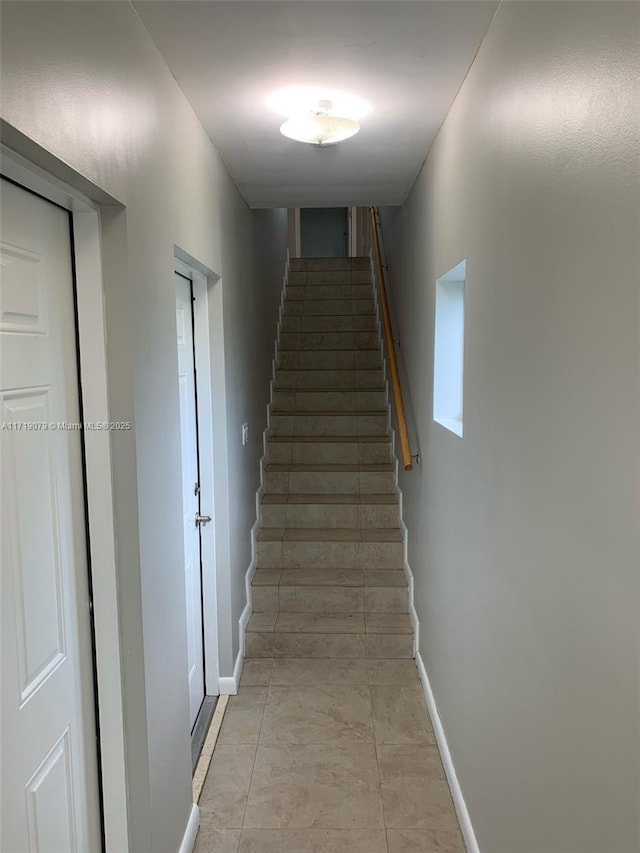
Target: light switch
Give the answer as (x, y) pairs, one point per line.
(245, 434)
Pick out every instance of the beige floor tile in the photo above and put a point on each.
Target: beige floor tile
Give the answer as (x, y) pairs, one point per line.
(264, 599)
(313, 841)
(392, 672)
(388, 623)
(415, 793)
(262, 621)
(266, 577)
(400, 714)
(314, 787)
(243, 717)
(315, 714)
(386, 599)
(292, 645)
(389, 646)
(212, 840)
(224, 796)
(384, 577)
(259, 644)
(256, 672)
(300, 671)
(424, 841)
(325, 599)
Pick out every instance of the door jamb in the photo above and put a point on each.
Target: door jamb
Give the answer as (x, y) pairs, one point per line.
(210, 532)
(99, 488)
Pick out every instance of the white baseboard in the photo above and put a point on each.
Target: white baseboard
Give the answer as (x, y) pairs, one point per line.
(189, 838)
(228, 685)
(456, 791)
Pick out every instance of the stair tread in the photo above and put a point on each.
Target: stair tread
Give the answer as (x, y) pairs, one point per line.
(376, 389)
(379, 467)
(333, 534)
(309, 578)
(329, 413)
(331, 623)
(330, 439)
(384, 499)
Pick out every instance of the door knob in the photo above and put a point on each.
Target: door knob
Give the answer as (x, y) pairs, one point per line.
(202, 519)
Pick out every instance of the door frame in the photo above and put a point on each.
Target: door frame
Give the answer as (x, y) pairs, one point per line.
(100, 518)
(210, 534)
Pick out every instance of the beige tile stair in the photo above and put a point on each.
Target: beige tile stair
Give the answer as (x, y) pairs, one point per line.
(329, 581)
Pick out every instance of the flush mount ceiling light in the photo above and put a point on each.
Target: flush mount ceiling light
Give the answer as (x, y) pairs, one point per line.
(318, 116)
(320, 126)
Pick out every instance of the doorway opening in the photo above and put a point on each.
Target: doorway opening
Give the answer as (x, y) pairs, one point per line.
(324, 232)
(198, 516)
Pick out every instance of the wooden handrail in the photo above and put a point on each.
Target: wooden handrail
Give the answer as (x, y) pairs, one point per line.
(405, 445)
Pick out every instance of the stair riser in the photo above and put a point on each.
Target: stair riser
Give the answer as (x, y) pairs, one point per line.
(329, 360)
(328, 516)
(329, 482)
(300, 293)
(329, 401)
(310, 425)
(311, 278)
(330, 555)
(284, 645)
(364, 322)
(314, 599)
(328, 340)
(343, 453)
(324, 307)
(310, 379)
(322, 264)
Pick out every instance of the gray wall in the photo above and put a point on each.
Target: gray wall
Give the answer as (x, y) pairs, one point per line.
(87, 84)
(524, 534)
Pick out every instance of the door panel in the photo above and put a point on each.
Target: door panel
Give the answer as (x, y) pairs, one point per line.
(49, 762)
(324, 232)
(190, 495)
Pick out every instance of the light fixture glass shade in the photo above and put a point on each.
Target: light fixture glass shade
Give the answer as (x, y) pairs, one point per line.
(319, 128)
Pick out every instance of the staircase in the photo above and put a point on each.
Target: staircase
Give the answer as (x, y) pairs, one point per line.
(329, 581)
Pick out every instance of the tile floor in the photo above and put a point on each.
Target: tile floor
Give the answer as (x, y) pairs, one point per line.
(327, 756)
(328, 746)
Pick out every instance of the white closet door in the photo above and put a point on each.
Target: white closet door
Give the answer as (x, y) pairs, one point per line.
(190, 487)
(49, 767)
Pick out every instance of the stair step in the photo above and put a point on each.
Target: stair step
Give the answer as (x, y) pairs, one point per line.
(317, 635)
(327, 479)
(329, 340)
(328, 516)
(340, 599)
(359, 262)
(333, 399)
(312, 278)
(346, 300)
(346, 450)
(322, 380)
(346, 322)
(327, 423)
(348, 359)
(298, 291)
(336, 534)
(336, 553)
(329, 577)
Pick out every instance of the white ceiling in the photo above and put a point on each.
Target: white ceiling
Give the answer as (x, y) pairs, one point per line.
(407, 59)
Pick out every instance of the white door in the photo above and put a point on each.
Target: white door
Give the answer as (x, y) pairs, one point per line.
(190, 491)
(49, 777)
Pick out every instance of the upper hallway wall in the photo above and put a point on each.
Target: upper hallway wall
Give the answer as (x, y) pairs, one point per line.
(523, 534)
(85, 82)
